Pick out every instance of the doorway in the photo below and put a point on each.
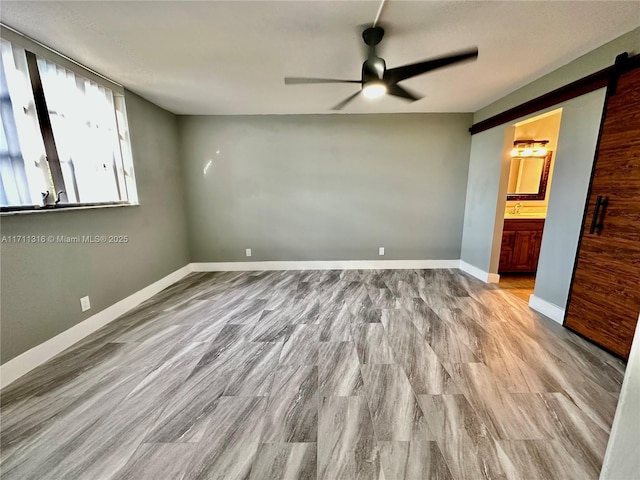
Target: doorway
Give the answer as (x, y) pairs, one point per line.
(530, 175)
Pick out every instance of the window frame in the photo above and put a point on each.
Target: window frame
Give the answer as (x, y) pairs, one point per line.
(33, 50)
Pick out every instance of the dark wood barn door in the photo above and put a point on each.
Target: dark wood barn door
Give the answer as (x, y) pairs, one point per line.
(604, 302)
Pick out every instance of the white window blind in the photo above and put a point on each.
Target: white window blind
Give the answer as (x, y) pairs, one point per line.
(82, 124)
(24, 173)
(83, 120)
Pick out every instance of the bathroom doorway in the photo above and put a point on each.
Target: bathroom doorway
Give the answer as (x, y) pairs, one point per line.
(535, 142)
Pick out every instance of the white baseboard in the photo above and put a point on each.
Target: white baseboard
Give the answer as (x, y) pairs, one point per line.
(493, 278)
(27, 361)
(548, 309)
(479, 274)
(325, 265)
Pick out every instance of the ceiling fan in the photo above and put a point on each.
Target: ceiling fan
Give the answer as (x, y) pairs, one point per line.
(378, 80)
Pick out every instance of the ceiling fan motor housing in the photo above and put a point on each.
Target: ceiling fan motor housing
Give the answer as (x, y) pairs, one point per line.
(373, 69)
(372, 36)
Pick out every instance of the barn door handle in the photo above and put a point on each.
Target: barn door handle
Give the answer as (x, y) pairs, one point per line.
(601, 204)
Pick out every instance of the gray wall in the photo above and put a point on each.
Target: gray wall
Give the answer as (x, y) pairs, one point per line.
(622, 459)
(486, 197)
(574, 161)
(593, 61)
(42, 283)
(319, 187)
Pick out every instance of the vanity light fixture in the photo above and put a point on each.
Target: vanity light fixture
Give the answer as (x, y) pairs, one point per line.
(529, 148)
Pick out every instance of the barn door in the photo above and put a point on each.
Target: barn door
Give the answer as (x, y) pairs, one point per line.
(604, 302)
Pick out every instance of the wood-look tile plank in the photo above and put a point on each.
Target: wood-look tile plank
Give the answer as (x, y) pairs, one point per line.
(511, 374)
(335, 323)
(107, 445)
(347, 448)
(541, 460)
(594, 400)
(230, 337)
(422, 366)
(581, 437)
(69, 373)
(438, 334)
(334, 291)
(292, 409)
(373, 278)
(371, 343)
(22, 422)
(185, 418)
(382, 298)
(155, 348)
(249, 312)
(254, 372)
(364, 310)
(471, 333)
(356, 293)
(157, 461)
(415, 460)
(304, 311)
(285, 461)
(272, 326)
(231, 441)
(393, 405)
(339, 370)
(166, 379)
(404, 289)
(506, 415)
(464, 440)
(302, 347)
(71, 427)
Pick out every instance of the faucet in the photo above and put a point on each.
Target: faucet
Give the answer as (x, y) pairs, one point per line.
(516, 208)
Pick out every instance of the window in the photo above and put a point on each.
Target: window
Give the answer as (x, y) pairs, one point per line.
(64, 136)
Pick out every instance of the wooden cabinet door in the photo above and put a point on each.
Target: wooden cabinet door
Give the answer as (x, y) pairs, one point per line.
(520, 247)
(505, 260)
(523, 251)
(535, 250)
(506, 251)
(604, 302)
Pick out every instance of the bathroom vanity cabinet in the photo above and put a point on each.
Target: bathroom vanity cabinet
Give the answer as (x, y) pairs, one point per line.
(520, 249)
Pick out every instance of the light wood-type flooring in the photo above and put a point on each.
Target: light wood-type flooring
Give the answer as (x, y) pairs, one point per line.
(520, 285)
(370, 374)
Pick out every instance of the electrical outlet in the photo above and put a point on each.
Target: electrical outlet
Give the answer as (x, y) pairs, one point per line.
(381, 251)
(248, 252)
(85, 303)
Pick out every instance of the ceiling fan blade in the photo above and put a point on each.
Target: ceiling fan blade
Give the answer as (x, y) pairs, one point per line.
(398, 91)
(342, 104)
(394, 75)
(305, 80)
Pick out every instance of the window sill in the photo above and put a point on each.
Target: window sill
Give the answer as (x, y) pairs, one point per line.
(62, 208)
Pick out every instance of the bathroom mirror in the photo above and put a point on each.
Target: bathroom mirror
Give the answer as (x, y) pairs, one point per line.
(528, 177)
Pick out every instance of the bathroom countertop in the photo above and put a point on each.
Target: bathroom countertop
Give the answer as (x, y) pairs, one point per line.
(524, 216)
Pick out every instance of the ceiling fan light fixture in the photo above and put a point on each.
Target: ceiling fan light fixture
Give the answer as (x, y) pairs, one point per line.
(374, 90)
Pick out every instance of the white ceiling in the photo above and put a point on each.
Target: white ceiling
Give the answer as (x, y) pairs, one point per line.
(230, 57)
